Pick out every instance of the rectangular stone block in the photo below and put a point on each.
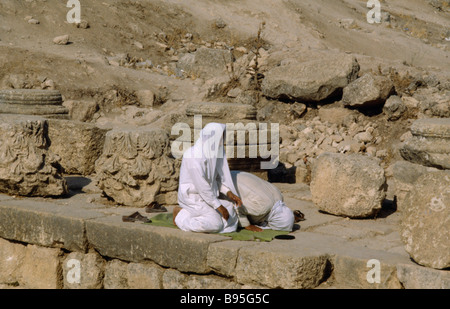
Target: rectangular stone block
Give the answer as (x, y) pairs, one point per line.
(281, 265)
(83, 271)
(361, 273)
(137, 242)
(11, 259)
(78, 144)
(116, 275)
(41, 268)
(45, 224)
(144, 276)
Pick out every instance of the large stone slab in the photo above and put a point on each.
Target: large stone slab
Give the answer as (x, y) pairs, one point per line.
(139, 242)
(136, 166)
(426, 221)
(348, 185)
(78, 144)
(280, 265)
(45, 224)
(27, 166)
(313, 80)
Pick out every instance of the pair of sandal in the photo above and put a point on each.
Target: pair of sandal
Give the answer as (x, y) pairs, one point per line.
(299, 216)
(137, 217)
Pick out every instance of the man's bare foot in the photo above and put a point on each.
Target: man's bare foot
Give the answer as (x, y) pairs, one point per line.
(253, 228)
(176, 210)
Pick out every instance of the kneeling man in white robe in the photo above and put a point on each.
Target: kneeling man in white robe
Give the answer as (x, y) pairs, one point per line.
(262, 204)
(204, 173)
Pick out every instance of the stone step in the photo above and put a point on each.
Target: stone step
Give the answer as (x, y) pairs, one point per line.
(221, 110)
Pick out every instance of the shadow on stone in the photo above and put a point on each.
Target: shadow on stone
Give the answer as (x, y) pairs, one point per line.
(388, 208)
(281, 174)
(77, 183)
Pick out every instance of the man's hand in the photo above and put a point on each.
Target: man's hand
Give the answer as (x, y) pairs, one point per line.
(224, 212)
(234, 198)
(253, 228)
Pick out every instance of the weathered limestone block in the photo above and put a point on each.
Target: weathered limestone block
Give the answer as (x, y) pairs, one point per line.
(418, 277)
(210, 282)
(144, 276)
(11, 259)
(41, 268)
(367, 91)
(116, 275)
(394, 108)
(173, 279)
(27, 167)
(136, 166)
(222, 257)
(429, 144)
(276, 265)
(313, 80)
(425, 227)
(83, 271)
(46, 103)
(352, 272)
(348, 185)
(78, 144)
(405, 175)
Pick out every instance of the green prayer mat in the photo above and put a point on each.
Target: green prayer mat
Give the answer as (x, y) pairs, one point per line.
(166, 220)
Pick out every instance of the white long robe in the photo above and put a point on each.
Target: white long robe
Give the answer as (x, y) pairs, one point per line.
(262, 203)
(204, 167)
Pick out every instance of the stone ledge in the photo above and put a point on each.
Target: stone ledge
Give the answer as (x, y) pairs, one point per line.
(138, 242)
(304, 262)
(45, 224)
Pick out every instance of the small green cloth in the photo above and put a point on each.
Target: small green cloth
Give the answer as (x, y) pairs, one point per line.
(166, 220)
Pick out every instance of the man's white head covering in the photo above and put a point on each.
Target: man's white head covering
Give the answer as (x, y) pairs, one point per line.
(210, 147)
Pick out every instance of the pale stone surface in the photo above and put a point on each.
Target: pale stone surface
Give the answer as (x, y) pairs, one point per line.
(205, 62)
(426, 221)
(278, 265)
(61, 40)
(210, 282)
(146, 98)
(144, 276)
(353, 272)
(166, 246)
(91, 271)
(394, 108)
(348, 185)
(418, 277)
(221, 110)
(368, 91)
(405, 175)
(429, 144)
(173, 279)
(313, 80)
(115, 275)
(222, 256)
(78, 144)
(45, 224)
(41, 268)
(11, 260)
(81, 110)
(135, 166)
(27, 166)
